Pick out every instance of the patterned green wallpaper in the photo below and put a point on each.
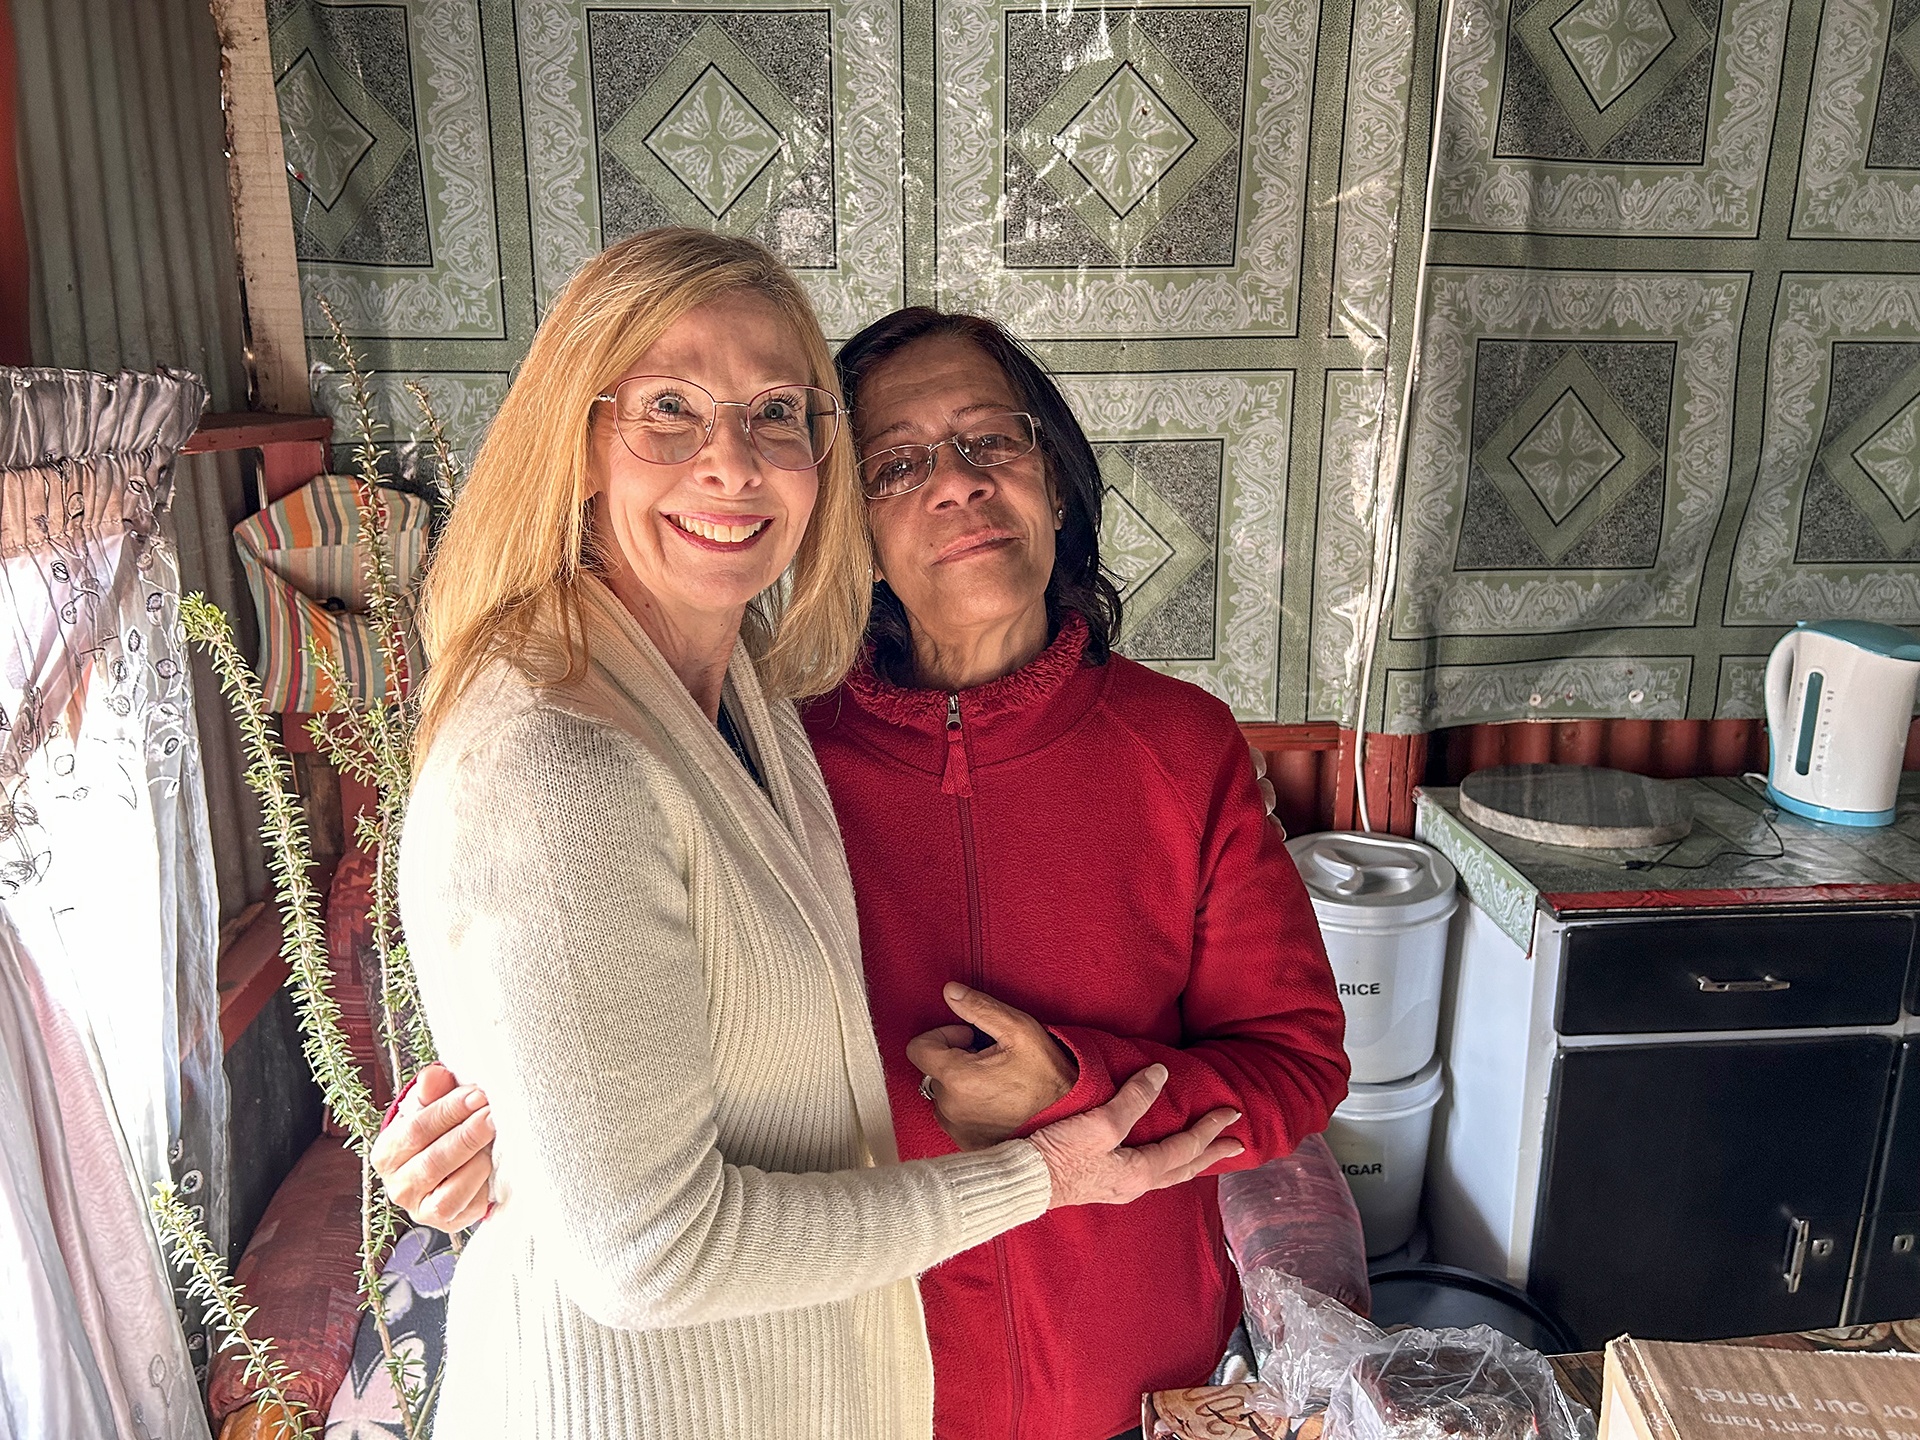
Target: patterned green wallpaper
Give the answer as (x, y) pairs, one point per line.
(1663, 258)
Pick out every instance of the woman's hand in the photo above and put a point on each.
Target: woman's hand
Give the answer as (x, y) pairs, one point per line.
(436, 1155)
(1091, 1164)
(982, 1097)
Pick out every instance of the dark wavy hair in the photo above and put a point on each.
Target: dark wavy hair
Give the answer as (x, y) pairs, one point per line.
(1077, 584)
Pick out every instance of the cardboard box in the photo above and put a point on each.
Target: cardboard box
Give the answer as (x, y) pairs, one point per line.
(1658, 1391)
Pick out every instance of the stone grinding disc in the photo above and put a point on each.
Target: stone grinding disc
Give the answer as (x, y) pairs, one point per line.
(1577, 805)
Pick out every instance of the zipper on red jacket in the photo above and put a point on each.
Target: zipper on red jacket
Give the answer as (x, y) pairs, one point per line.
(1017, 1401)
(957, 778)
(958, 782)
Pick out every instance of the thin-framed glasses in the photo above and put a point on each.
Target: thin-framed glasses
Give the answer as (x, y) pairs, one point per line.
(665, 420)
(991, 440)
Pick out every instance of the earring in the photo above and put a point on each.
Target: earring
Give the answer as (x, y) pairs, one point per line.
(1059, 517)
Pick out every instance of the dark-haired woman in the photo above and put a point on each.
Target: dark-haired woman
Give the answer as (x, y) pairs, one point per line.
(1078, 837)
(1063, 872)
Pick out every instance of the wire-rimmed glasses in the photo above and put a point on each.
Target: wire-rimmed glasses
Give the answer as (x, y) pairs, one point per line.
(665, 420)
(991, 440)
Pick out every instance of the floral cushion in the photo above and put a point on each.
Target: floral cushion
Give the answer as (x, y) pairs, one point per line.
(301, 1273)
(415, 1283)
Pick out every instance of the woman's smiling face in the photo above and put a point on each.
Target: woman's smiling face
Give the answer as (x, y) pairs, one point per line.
(972, 547)
(704, 536)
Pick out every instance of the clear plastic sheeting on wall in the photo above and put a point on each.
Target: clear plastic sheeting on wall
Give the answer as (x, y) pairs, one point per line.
(1141, 193)
(1601, 301)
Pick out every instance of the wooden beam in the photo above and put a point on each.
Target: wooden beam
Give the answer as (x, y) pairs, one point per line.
(293, 448)
(1291, 737)
(251, 969)
(254, 429)
(262, 216)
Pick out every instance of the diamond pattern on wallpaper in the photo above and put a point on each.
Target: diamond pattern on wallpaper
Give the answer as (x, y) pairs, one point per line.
(1906, 44)
(1561, 118)
(346, 122)
(1871, 450)
(1565, 454)
(1116, 172)
(1163, 515)
(1130, 548)
(1890, 458)
(1895, 141)
(711, 139)
(1123, 142)
(395, 205)
(1193, 528)
(1650, 357)
(323, 141)
(1822, 533)
(634, 115)
(714, 142)
(1606, 62)
(1610, 43)
(1158, 529)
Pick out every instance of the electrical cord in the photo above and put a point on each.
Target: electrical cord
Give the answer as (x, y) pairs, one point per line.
(1739, 856)
(1386, 553)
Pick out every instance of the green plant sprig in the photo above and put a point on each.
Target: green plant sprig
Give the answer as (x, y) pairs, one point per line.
(369, 738)
(449, 475)
(227, 1310)
(269, 775)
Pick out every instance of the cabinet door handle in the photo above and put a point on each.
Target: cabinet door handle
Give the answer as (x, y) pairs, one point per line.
(1765, 985)
(1799, 1232)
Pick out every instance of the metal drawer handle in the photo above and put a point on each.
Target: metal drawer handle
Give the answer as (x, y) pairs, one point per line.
(1765, 985)
(1794, 1265)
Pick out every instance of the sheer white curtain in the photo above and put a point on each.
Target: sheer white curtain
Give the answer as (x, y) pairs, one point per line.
(109, 1024)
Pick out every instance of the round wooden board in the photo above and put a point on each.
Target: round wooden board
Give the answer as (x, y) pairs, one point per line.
(1577, 805)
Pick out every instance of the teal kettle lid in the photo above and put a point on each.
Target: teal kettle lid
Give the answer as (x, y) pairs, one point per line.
(1868, 635)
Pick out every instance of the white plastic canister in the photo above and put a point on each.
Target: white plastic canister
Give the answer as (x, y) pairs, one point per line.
(1379, 1135)
(1383, 904)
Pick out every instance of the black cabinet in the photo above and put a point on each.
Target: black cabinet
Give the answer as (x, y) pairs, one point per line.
(1699, 1189)
(1684, 1099)
(1887, 1272)
(1746, 972)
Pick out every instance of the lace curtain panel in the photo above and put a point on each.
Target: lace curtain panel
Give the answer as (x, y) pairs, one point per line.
(109, 1025)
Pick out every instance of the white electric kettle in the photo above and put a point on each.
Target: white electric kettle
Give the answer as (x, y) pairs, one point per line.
(1839, 700)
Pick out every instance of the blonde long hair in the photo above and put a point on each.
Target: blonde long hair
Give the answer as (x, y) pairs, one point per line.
(503, 575)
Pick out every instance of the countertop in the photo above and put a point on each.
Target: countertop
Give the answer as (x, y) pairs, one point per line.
(1741, 853)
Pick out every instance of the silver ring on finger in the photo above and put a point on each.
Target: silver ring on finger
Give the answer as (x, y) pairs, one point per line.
(926, 1088)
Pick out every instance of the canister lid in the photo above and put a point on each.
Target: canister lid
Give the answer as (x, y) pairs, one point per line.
(1373, 882)
(1396, 1098)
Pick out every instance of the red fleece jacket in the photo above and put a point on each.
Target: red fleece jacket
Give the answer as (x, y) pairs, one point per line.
(1087, 843)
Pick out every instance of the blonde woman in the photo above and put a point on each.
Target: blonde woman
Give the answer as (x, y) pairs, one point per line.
(630, 909)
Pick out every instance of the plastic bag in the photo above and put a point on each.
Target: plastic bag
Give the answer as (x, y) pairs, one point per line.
(1303, 1341)
(1296, 1215)
(1451, 1385)
(1318, 1356)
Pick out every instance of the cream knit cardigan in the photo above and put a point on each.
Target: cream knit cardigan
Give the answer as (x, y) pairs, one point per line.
(702, 1227)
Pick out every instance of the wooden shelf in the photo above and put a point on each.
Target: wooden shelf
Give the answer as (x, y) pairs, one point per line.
(254, 429)
(293, 448)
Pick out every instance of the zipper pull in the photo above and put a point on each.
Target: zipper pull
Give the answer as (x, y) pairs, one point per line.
(956, 780)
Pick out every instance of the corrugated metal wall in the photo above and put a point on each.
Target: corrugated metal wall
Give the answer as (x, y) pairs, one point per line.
(124, 187)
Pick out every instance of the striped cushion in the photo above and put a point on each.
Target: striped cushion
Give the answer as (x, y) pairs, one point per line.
(302, 558)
